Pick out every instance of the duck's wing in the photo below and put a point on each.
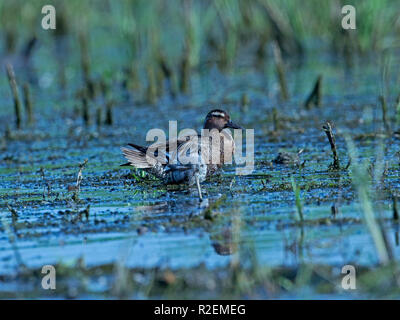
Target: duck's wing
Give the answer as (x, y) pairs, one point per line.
(171, 149)
(212, 149)
(190, 143)
(139, 157)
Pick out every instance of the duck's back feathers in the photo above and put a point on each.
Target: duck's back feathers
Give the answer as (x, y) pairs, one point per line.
(179, 163)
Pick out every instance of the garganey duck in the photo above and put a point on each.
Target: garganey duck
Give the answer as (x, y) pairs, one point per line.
(190, 159)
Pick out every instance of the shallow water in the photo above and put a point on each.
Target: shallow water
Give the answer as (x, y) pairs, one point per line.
(142, 224)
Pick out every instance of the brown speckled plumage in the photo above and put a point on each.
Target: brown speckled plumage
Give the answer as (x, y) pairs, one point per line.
(172, 168)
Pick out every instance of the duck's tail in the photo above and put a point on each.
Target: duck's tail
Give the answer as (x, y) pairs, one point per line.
(137, 158)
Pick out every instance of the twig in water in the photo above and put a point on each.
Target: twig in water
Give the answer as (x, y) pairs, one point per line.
(85, 110)
(316, 94)
(395, 211)
(85, 212)
(99, 116)
(79, 180)
(327, 127)
(46, 184)
(230, 186)
(334, 210)
(109, 115)
(28, 103)
(14, 90)
(14, 212)
(348, 164)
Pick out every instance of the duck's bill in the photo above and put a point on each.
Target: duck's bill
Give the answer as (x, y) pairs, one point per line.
(232, 125)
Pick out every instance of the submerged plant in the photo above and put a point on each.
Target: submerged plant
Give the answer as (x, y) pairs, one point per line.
(299, 205)
(77, 187)
(362, 184)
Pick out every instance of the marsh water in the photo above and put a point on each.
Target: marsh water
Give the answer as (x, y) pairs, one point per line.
(162, 234)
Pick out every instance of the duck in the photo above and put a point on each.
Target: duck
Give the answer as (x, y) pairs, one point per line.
(175, 162)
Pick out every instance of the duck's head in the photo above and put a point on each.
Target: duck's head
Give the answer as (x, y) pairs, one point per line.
(220, 120)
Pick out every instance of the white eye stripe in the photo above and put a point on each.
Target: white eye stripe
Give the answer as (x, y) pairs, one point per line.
(218, 114)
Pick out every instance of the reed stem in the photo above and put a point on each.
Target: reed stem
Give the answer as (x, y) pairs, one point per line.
(28, 103)
(14, 91)
(316, 94)
(109, 115)
(327, 127)
(280, 70)
(384, 115)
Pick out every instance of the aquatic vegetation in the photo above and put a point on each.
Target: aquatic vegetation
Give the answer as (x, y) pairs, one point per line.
(299, 205)
(317, 200)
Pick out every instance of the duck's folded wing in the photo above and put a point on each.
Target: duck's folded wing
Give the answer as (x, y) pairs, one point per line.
(147, 157)
(170, 149)
(138, 159)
